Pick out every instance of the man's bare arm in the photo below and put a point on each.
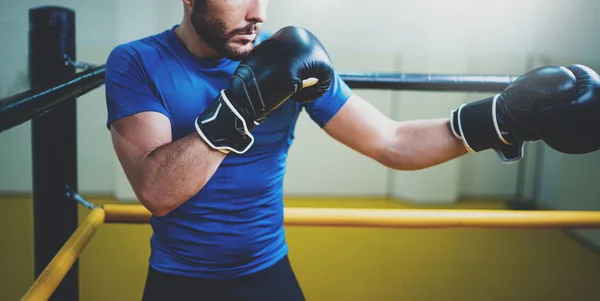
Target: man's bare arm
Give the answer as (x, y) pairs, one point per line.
(407, 145)
(163, 173)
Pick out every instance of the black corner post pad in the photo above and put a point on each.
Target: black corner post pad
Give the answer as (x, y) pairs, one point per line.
(54, 143)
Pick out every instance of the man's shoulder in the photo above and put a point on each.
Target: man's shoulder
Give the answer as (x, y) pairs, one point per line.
(142, 48)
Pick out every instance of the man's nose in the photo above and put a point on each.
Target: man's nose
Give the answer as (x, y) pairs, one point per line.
(258, 11)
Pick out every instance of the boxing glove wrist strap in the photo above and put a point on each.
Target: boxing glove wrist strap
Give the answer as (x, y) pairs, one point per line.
(223, 128)
(477, 125)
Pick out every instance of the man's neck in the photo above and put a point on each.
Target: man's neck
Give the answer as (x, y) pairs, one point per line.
(194, 43)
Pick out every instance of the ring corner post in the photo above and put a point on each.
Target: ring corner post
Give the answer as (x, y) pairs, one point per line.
(54, 143)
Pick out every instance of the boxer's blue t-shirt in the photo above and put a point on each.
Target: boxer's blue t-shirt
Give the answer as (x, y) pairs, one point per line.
(234, 225)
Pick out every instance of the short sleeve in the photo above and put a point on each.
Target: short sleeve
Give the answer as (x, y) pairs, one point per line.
(325, 107)
(128, 89)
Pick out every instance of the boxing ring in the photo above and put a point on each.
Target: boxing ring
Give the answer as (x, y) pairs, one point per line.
(50, 105)
(52, 275)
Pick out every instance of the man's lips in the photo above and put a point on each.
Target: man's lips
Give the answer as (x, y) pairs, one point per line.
(246, 36)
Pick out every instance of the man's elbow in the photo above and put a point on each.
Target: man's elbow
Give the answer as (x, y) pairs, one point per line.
(406, 160)
(158, 210)
(154, 202)
(394, 155)
(162, 198)
(398, 162)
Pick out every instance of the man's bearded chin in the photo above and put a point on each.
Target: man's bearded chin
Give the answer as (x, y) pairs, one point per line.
(213, 33)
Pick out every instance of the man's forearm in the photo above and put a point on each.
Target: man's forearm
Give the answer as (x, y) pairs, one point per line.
(176, 171)
(419, 144)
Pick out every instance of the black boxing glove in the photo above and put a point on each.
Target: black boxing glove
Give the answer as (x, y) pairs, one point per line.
(574, 127)
(529, 109)
(292, 62)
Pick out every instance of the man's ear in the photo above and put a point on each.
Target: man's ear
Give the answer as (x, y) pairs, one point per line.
(188, 3)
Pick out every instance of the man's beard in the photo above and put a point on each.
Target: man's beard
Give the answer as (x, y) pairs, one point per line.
(212, 31)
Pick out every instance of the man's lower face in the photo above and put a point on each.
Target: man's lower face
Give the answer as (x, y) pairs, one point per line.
(239, 49)
(234, 44)
(234, 50)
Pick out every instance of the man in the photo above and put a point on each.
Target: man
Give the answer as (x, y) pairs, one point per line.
(202, 116)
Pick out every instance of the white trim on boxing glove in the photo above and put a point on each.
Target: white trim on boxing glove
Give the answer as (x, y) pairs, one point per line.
(516, 159)
(464, 139)
(226, 149)
(452, 125)
(213, 117)
(495, 119)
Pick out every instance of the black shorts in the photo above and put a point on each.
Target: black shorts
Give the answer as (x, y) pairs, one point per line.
(276, 283)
